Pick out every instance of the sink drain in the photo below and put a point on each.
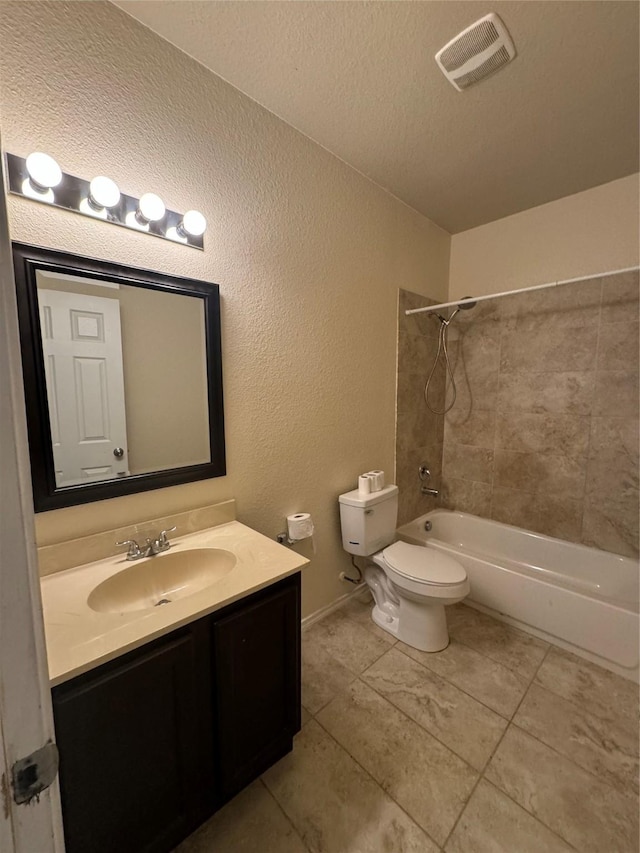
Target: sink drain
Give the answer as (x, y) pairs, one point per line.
(162, 601)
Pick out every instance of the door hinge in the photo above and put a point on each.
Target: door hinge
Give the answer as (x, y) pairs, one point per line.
(32, 774)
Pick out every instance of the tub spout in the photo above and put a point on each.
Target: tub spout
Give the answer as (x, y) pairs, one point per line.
(426, 491)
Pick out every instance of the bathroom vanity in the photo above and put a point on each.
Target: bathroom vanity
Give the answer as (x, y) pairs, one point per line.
(182, 705)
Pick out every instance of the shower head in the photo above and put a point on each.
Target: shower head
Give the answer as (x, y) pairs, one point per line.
(461, 306)
(466, 303)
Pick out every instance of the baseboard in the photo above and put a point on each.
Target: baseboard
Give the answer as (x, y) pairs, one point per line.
(335, 605)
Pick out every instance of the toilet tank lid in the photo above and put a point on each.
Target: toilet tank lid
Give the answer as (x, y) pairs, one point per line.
(354, 498)
(424, 563)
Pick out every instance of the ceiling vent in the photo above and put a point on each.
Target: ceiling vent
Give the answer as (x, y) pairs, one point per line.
(475, 53)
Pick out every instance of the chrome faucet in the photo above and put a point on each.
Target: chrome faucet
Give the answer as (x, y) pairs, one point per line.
(424, 473)
(150, 548)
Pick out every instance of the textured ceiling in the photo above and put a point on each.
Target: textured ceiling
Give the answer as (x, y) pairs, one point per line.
(360, 79)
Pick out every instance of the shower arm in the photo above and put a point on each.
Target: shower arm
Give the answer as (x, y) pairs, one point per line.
(459, 302)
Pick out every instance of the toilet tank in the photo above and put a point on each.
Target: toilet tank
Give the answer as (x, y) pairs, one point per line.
(368, 521)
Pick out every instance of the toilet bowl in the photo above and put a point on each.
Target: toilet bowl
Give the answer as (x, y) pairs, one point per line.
(411, 584)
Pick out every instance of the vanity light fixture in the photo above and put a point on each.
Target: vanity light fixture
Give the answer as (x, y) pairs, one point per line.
(43, 174)
(193, 223)
(102, 197)
(150, 209)
(103, 193)
(36, 176)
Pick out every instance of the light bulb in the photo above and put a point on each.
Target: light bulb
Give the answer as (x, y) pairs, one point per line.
(44, 172)
(103, 192)
(150, 208)
(193, 223)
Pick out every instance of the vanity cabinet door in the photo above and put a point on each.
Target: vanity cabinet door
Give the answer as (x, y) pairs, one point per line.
(134, 741)
(257, 684)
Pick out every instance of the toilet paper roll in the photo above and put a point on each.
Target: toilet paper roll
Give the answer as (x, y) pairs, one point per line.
(377, 480)
(299, 526)
(364, 484)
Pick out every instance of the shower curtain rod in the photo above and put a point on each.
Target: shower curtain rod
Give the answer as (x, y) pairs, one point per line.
(429, 308)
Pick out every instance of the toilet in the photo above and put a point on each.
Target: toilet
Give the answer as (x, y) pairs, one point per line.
(411, 585)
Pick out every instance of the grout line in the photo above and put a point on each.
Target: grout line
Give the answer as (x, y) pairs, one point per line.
(509, 628)
(494, 660)
(286, 816)
(493, 752)
(457, 687)
(428, 731)
(378, 785)
(590, 416)
(480, 773)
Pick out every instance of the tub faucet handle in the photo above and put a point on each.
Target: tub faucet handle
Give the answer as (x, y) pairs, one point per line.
(424, 473)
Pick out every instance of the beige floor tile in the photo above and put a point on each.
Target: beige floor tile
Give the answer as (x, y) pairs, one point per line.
(595, 744)
(512, 648)
(468, 728)
(305, 716)
(322, 675)
(335, 806)
(346, 641)
(491, 683)
(424, 777)
(597, 690)
(492, 823)
(251, 821)
(586, 812)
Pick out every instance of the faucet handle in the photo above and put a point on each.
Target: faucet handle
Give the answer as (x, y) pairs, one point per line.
(134, 551)
(162, 536)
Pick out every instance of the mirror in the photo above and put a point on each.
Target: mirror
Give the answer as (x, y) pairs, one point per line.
(123, 377)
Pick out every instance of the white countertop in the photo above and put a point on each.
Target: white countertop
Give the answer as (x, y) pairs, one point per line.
(79, 638)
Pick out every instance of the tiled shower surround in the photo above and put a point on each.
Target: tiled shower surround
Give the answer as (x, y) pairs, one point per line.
(544, 431)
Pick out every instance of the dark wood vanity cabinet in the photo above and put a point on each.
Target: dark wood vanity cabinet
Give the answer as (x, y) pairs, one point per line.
(257, 697)
(152, 743)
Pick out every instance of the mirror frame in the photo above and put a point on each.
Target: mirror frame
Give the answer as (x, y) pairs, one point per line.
(27, 260)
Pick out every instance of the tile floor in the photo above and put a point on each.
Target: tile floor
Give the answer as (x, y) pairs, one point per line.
(499, 744)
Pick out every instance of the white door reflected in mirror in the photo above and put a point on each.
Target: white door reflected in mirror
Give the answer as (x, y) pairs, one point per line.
(126, 375)
(82, 347)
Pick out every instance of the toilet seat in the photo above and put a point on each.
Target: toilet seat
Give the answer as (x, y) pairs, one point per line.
(423, 565)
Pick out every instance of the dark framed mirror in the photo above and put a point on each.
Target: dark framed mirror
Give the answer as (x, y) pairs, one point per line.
(122, 374)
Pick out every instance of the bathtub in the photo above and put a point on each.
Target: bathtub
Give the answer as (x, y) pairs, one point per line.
(580, 598)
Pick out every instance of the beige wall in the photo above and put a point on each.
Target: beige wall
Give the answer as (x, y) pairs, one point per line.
(165, 379)
(583, 234)
(308, 253)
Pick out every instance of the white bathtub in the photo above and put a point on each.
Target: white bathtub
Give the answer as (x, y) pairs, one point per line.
(580, 598)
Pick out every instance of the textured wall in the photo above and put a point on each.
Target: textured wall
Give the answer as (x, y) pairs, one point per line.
(544, 434)
(583, 234)
(308, 253)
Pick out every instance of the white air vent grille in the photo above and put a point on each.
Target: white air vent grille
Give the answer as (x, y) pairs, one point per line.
(477, 52)
(468, 44)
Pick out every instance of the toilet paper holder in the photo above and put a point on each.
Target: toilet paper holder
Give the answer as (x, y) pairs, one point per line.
(299, 526)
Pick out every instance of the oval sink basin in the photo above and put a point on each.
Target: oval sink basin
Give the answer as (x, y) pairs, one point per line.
(161, 580)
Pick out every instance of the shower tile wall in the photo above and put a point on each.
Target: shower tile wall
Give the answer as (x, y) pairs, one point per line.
(419, 433)
(544, 432)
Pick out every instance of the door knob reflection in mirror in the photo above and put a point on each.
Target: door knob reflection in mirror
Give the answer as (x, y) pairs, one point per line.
(118, 452)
